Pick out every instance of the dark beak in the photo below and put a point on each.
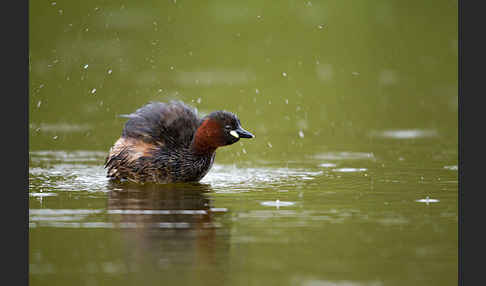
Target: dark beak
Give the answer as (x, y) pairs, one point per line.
(243, 133)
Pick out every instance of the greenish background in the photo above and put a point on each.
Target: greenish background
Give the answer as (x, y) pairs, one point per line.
(366, 85)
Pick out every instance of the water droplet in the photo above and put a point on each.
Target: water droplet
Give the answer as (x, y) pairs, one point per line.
(110, 71)
(243, 150)
(86, 66)
(257, 91)
(39, 103)
(284, 74)
(93, 91)
(171, 68)
(355, 73)
(269, 144)
(60, 12)
(286, 101)
(198, 100)
(55, 137)
(427, 200)
(301, 134)
(53, 3)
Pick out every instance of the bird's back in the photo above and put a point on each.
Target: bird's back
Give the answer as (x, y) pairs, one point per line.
(170, 124)
(154, 135)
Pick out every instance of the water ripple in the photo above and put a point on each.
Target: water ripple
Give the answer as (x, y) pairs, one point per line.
(405, 134)
(223, 177)
(72, 171)
(345, 156)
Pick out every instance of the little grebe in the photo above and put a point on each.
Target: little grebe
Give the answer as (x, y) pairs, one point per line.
(168, 142)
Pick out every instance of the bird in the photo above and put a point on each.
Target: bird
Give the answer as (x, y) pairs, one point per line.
(169, 143)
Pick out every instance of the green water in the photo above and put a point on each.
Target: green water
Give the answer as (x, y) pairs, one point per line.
(352, 177)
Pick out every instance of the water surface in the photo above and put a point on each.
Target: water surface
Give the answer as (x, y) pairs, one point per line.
(352, 178)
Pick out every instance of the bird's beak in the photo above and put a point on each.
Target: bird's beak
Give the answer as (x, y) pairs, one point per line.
(242, 133)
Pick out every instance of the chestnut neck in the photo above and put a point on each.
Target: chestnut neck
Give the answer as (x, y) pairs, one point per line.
(207, 138)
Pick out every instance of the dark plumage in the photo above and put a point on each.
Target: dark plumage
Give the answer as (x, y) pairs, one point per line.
(168, 142)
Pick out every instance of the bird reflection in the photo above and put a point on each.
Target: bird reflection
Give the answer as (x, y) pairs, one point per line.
(170, 227)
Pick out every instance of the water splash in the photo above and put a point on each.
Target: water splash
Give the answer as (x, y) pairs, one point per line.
(83, 171)
(223, 178)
